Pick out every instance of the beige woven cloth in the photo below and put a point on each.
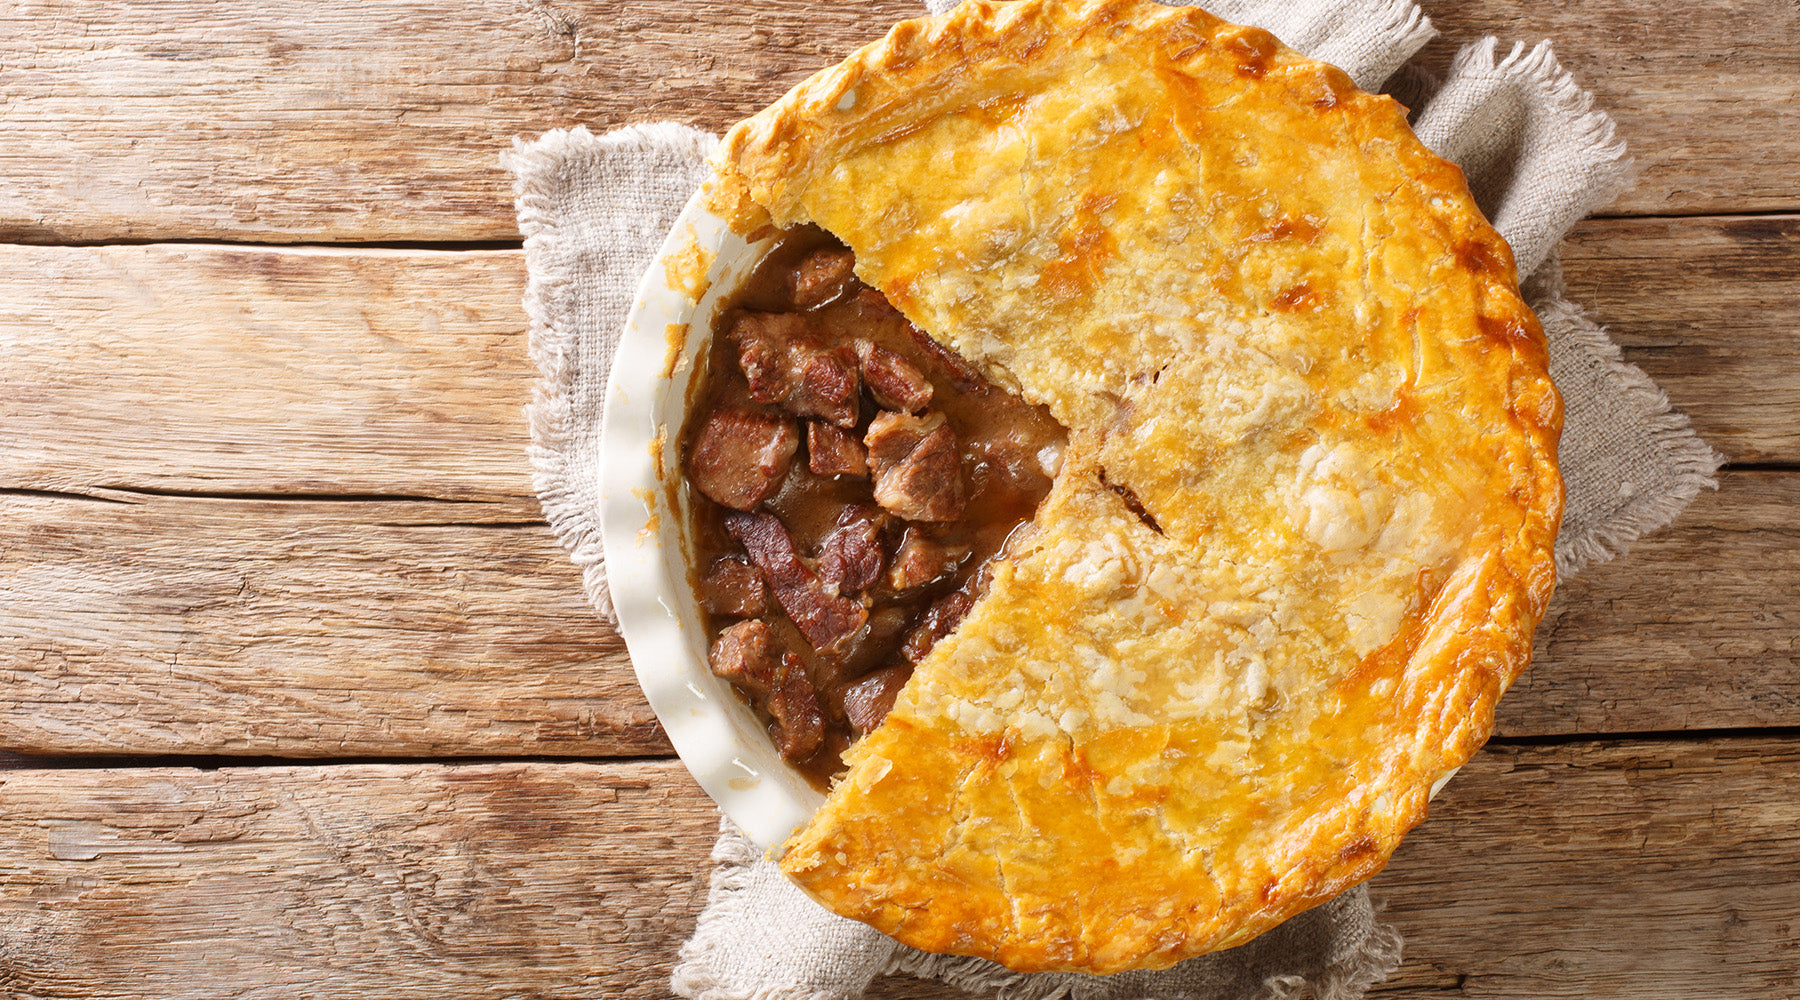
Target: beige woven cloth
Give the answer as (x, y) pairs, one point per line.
(593, 209)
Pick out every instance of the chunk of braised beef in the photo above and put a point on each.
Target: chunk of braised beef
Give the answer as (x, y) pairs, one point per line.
(876, 644)
(826, 619)
(919, 560)
(851, 557)
(762, 340)
(748, 655)
(895, 382)
(938, 621)
(917, 466)
(740, 456)
(773, 679)
(868, 701)
(962, 374)
(733, 588)
(820, 277)
(799, 723)
(892, 436)
(1013, 461)
(833, 451)
(786, 365)
(871, 304)
(828, 387)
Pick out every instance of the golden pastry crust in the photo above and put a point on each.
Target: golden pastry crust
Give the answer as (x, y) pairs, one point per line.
(1278, 327)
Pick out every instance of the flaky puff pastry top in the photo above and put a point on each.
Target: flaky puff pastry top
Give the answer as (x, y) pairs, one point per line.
(1304, 529)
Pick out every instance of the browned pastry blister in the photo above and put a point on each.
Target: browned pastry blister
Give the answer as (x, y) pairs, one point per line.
(1303, 530)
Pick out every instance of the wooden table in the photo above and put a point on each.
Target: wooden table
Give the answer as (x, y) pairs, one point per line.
(298, 695)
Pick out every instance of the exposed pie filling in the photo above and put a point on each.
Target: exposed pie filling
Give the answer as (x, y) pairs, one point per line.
(852, 480)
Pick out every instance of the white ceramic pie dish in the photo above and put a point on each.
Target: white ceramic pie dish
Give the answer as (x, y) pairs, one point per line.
(644, 525)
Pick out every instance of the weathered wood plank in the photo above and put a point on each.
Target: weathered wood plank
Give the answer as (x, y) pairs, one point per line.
(1690, 97)
(181, 625)
(1655, 870)
(371, 881)
(1711, 309)
(297, 371)
(345, 120)
(1697, 628)
(404, 372)
(1649, 870)
(310, 629)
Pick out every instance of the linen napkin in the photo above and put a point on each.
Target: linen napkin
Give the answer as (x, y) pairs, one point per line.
(593, 210)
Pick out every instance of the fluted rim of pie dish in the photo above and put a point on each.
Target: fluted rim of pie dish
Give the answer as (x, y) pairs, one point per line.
(645, 534)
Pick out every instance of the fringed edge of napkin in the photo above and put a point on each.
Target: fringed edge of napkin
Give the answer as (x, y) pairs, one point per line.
(1693, 463)
(1608, 166)
(1348, 976)
(1559, 86)
(730, 880)
(550, 307)
(732, 887)
(541, 167)
(1565, 96)
(1445, 113)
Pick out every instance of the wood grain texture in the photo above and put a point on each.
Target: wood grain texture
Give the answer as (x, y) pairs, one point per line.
(366, 628)
(342, 629)
(370, 881)
(1697, 628)
(1646, 870)
(273, 501)
(344, 120)
(1692, 91)
(1686, 299)
(1654, 870)
(403, 372)
(347, 120)
(250, 370)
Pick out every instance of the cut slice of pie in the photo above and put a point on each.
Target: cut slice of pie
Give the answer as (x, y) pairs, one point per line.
(1304, 528)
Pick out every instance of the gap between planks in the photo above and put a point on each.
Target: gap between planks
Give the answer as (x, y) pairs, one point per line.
(499, 245)
(15, 761)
